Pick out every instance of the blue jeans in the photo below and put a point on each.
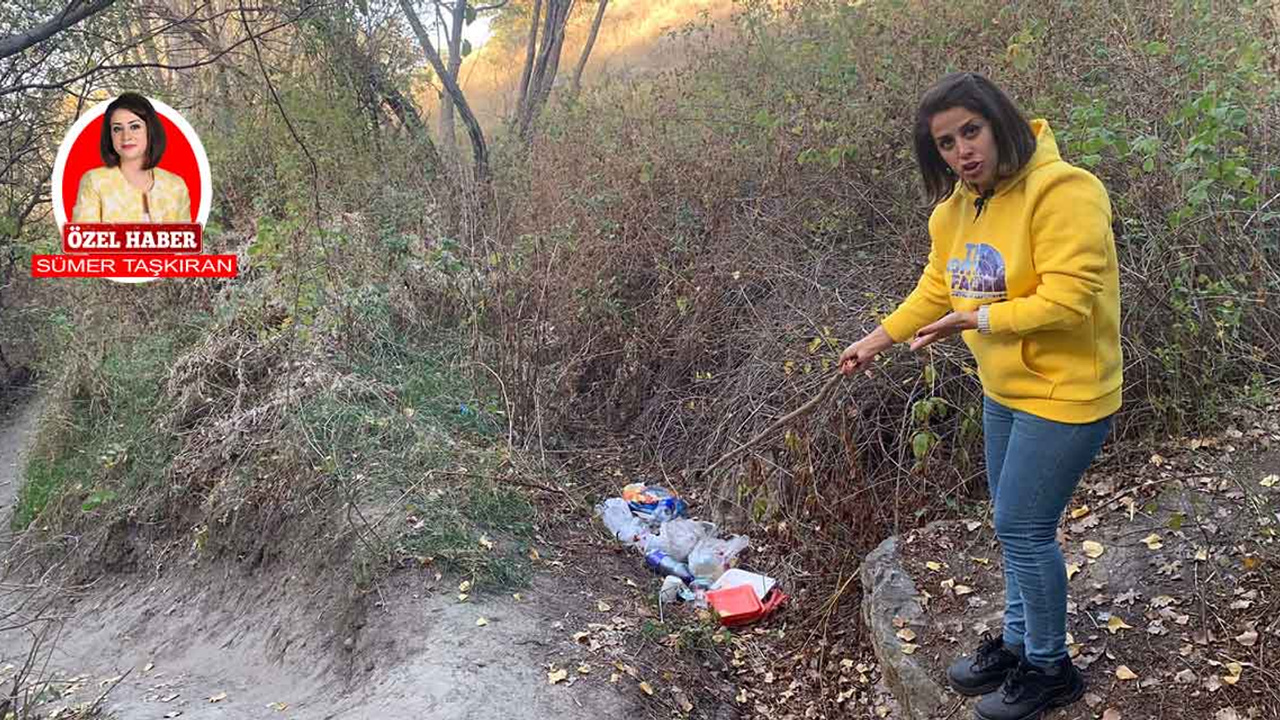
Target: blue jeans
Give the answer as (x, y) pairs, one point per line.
(1033, 466)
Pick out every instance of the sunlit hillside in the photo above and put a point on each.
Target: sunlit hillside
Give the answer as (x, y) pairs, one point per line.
(633, 40)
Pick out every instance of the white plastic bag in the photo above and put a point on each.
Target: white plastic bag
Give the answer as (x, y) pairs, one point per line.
(625, 526)
(711, 557)
(679, 537)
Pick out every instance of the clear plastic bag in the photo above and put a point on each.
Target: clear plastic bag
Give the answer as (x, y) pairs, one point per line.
(679, 537)
(617, 516)
(712, 556)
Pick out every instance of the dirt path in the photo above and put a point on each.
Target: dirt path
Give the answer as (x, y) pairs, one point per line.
(17, 429)
(210, 643)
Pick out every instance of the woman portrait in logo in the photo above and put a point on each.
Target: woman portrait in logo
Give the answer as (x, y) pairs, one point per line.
(131, 189)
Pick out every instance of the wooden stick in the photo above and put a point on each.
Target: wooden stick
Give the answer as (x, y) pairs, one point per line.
(799, 412)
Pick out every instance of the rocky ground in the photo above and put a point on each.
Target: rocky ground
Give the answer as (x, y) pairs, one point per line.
(1173, 599)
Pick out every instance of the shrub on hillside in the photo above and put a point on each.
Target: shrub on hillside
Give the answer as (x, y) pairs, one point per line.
(687, 254)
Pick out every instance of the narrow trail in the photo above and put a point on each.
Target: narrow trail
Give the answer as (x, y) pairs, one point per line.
(213, 642)
(17, 430)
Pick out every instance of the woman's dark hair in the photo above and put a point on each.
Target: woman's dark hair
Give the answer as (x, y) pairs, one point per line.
(1014, 140)
(140, 106)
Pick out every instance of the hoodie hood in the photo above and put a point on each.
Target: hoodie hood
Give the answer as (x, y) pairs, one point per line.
(1046, 152)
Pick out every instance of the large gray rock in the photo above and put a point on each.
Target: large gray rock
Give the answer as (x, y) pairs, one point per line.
(888, 592)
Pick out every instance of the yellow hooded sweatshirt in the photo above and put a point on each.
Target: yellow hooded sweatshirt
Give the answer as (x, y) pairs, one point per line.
(1041, 253)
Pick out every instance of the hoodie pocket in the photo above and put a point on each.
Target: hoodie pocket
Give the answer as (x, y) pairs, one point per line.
(1004, 368)
(1026, 353)
(1070, 357)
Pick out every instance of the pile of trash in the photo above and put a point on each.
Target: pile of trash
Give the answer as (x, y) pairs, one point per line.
(697, 564)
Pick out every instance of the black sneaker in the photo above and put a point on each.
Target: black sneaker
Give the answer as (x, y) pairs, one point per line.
(1028, 691)
(984, 670)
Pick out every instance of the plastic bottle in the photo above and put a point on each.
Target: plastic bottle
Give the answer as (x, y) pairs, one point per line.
(664, 564)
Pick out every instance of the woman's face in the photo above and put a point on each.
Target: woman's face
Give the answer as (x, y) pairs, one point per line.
(128, 135)
(966, 143)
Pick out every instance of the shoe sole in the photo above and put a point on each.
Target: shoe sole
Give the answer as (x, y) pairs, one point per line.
(1060, 702)
(976, 691)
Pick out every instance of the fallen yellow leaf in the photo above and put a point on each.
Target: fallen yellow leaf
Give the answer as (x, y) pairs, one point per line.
(517, 597)
(1124, 673)
(1270, 481)
(907, 634)
(1152, 542)
(486, 543)
(934, 566)
(557, 676)
(481, 622)
(279, 706)
(1202, 555)
(584, 669)
(1234, 669)
(909, 648)
(462, 597)
(603, 606)
(1079, 512)
(647, 688)
(464, 586)
(963, 589)
(1117, 623)
(1092, 548)
(1072, 569)
(981, 561)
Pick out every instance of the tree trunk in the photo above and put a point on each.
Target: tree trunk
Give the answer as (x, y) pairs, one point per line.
(479, 150)
(447, 135)
(547, 62)
(586, 50)
(530, 51)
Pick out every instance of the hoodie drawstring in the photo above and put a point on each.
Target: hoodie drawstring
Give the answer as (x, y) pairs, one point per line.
(981, 202)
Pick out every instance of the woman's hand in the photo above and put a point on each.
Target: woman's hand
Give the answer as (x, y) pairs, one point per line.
(950, 325)
(861, 354)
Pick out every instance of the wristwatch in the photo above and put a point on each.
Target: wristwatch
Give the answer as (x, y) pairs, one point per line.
(984, 320)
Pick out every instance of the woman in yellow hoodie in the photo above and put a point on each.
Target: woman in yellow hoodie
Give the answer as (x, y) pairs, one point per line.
(1023, 266)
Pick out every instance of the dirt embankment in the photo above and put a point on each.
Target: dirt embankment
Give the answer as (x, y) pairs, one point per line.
(217, 641)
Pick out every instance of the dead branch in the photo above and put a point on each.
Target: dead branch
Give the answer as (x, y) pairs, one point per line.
(71, 15)
(799, 412)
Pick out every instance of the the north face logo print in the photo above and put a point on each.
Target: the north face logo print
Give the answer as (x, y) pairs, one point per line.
(980, 274)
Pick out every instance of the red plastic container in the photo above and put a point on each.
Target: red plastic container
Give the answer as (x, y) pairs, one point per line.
(740, 606)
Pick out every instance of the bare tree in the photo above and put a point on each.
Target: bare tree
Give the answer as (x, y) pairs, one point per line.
(460, 13)
(546, 62)
(591, 43)
(531, 49)
(71, 15)
(479, 150)
(547, 28)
